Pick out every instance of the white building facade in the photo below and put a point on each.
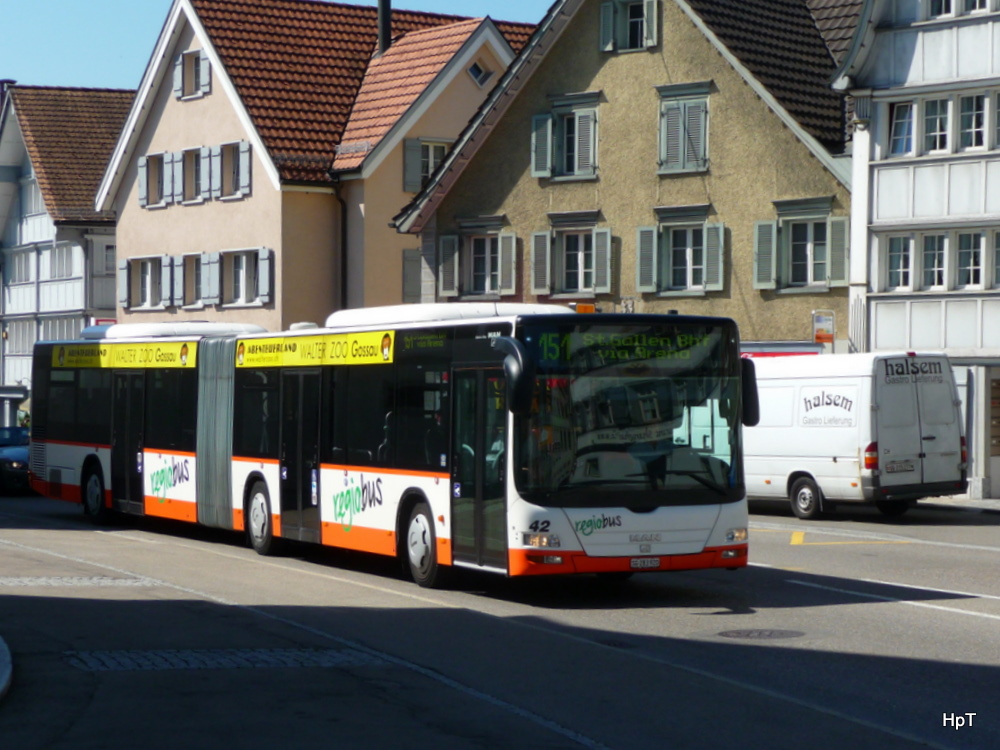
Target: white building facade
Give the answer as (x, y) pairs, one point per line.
(925, 75)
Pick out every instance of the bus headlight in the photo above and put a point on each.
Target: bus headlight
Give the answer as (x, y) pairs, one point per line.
(735, 536)
(540, 540)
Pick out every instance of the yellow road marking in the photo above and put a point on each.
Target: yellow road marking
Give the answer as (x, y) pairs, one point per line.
(799, 538)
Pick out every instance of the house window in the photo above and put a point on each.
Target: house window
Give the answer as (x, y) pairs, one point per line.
(431, 154)
(147, 290)
(192, 74)
(229, 170)
(687, 258)
(152, 174)
(936, 125)
(933, 259)
(939, 8)
(482, 262)
(901, 132)
(683, 127)
(576, 253)
(20, 336)
(971, 6)
(55, 329)
(61, 262)
(899, 263)
(628, 25)
(192, 175)
(485, 265)
(480, 73)
(564, 143)
(969, 272)
(192, 280)
(972, 121)
(572, 258)
(103, 259)
(805, 248)
(242, 278)
(19, 267)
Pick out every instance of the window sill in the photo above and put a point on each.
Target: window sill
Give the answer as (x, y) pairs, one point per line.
(477, 297)
(191, 97)
(194, 201)
(672, 172)
(156, 206)
(237, 305)
(147, 308)
(573, 295)
(573, 178)
(682, 293)
(802, 290)
(230, 198)
(195, 306)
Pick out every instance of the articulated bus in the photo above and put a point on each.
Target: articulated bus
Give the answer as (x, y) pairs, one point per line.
(512, 438)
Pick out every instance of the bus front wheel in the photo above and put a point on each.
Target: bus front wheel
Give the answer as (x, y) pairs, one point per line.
(93, 497)
(260, 527)
(421, 548)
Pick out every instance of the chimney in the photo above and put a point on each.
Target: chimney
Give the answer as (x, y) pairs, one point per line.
(384, 25)
(5, 83)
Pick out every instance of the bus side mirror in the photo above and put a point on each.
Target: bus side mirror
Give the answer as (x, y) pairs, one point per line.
(751, 402)
(519, 372)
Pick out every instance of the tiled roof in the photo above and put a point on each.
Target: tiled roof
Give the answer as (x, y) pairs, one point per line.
(782, 45)
(837, 20)
(393, 83)
(298, 66)
(69, 134)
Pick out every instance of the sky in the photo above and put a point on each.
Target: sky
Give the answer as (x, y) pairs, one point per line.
(107, 43)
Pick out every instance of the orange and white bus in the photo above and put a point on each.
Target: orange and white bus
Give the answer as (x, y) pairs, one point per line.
(512, 438)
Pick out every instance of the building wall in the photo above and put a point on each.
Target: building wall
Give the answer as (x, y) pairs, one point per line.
(754, 160)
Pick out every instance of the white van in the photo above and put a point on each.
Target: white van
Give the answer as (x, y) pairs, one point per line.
(881, 428)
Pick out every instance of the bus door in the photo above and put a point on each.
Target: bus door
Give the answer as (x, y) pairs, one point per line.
(479, 461)
(127, 426)
(299, 457)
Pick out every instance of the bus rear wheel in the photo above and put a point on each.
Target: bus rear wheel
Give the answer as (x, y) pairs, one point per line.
(93, 497)
(421, 548)
(260, 527)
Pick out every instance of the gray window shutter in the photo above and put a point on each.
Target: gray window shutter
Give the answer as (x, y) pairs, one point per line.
(541, 146)
(428, 254)
(179, 76)
(143, 181)
(167, 167)
(205, 73)
(715, 253)
(244, 167)
(205, 156)
(448, 266)
(541, 252)
(411, 165)
(265, 274)
(211, 281)
(178, 299)
(670, 136)
(508, 263)
(695, 120)
(166, 279)
(215, 173)
(178, 168)
(651, 20)
(839, 244)
(607, 27)
(765, 254)
(586, 142)
(602, 261)
(123, 279)
(646, 259)
(411, 276)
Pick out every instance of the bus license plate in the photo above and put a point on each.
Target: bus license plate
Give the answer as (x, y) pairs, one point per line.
(644, 562)
(896, 466)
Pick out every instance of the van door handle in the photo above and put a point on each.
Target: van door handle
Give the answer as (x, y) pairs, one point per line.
(929, 437)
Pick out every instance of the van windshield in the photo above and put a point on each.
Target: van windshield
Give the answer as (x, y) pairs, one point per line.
(636, 415)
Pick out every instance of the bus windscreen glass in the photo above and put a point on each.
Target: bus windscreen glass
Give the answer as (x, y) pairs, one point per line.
(634, 415)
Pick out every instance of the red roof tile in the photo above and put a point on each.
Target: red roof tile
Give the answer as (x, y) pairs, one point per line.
(69, 134)
(298, 67)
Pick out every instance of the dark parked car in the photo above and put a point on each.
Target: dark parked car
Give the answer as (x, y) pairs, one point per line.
(14, 459)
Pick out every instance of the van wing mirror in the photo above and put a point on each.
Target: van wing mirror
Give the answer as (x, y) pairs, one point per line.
(751, 402)
(519, 371)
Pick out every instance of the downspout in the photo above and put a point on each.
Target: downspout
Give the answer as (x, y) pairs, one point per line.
(343, 245)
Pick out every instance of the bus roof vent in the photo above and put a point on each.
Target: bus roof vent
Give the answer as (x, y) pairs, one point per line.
(188, 329)
(394, 314)
(302, 326)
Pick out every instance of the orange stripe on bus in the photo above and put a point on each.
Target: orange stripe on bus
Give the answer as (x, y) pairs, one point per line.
(164, 452)
(360, 538)
(95, 446)
(383, 470)
(164, 507)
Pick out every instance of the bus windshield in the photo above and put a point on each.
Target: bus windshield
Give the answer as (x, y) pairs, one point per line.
(638, 415)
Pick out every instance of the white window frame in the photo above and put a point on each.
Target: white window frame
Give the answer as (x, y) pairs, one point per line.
(938, 260)
(936, 127)
(940, 251)
(21, 336)
(484, 264)
(899, 275)
(813, 259)
(18, 264)
(147, 284)
(692, 258)
(773, 246)
(60, 262)
(970, 256)
(480, 72)
(901, 115)
(240, 272)
(973, 123)
(432, 153)
(629, 25)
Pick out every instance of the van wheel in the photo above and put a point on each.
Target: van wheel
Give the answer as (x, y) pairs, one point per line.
(805, 498)
(892, 508)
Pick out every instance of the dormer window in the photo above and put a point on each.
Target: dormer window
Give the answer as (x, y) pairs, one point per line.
(628, 25)
(192, 75)
(480, 73)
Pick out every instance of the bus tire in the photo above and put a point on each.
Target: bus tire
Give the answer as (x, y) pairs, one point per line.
(892, 508)
(421, 548)
(805, 497)
(92, 496)
(260, 526)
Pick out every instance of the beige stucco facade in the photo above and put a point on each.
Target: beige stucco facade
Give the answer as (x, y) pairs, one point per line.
(754, 160)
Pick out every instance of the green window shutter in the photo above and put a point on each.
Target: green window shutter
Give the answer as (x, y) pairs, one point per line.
(508, 263)
(541, 249)
(245, 168)
(671, 136)
(205, 73)
(646, 260)
(123, 282)
(411, 276)
(651, 18)
(839, 246)
(143, 181)
(586, 142)
(607, 42)
(715, 250)
(411, 165)
(179, 76)
(765, 254)
(265, 274)
(448, 266)
(602, 261)
(695, 121)
(541, 146)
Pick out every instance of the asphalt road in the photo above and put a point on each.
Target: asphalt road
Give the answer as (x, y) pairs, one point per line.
(847, 632)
